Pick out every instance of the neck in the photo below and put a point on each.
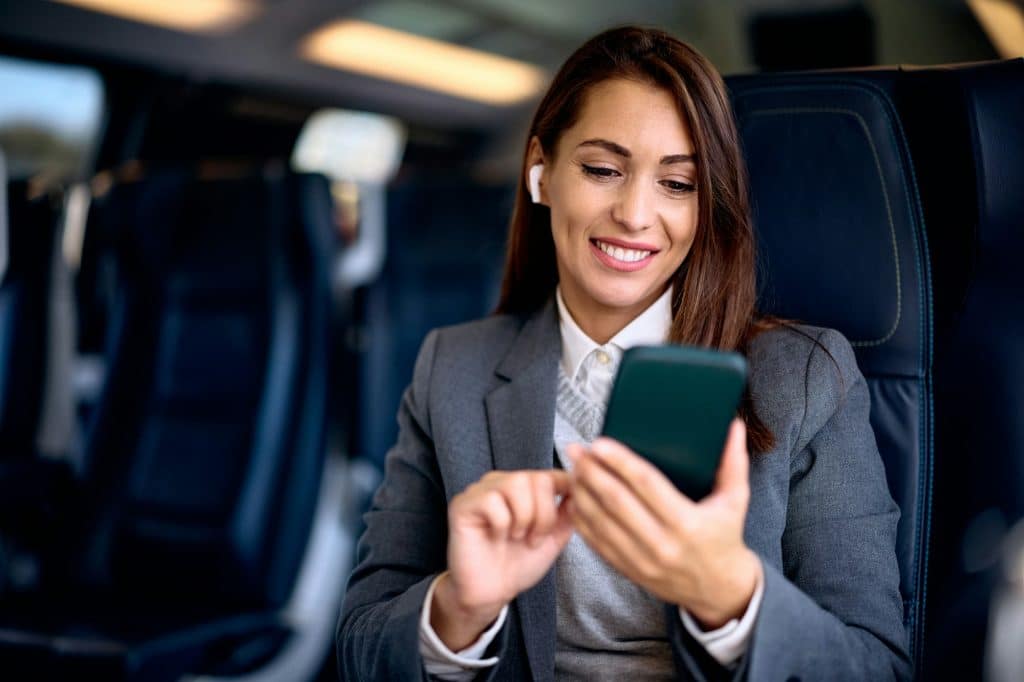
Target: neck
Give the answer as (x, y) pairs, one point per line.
(600, 322)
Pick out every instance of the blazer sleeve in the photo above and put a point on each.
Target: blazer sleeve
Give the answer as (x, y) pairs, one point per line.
(400, 551)
(834, 609)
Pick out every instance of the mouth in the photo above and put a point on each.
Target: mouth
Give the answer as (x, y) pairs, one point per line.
(622, 256)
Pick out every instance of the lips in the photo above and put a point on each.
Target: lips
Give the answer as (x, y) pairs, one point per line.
(622, 256)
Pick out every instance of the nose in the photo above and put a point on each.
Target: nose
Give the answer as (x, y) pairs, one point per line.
(634, 208)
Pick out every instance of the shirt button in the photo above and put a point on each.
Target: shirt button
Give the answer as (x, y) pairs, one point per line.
(603, 358)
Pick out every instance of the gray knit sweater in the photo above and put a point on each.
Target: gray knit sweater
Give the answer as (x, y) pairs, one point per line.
(608, 627)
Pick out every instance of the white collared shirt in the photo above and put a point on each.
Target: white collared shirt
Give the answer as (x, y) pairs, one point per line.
(591, 367)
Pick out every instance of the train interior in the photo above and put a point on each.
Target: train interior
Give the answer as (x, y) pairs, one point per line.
(224, 232)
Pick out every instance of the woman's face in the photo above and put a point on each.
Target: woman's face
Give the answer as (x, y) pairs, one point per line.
(621, 186)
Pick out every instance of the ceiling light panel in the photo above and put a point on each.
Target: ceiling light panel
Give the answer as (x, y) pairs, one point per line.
(1003, 21)
(181, 15)
(385, 53)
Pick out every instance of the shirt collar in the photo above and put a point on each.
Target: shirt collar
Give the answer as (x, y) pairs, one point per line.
(650, 327)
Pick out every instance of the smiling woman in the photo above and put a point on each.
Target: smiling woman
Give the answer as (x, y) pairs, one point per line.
(507, 537)
(672, 104)
(619, 205)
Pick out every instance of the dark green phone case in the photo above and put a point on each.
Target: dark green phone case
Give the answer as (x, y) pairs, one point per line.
(673, 406)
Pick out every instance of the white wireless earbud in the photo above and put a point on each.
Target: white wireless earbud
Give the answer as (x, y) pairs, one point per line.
(535, 171)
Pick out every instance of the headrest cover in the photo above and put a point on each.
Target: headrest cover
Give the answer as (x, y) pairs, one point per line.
(835, 209)
(995, 99)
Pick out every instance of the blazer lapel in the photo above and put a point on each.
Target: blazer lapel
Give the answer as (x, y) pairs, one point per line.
(520, 420)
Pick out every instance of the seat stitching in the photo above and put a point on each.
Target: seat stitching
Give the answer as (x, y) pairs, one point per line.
(885, 196)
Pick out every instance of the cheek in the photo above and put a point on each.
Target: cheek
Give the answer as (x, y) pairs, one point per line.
(579, 206)
(683, 231)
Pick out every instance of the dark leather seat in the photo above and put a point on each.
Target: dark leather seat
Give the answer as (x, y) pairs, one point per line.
(842, 244)
(203, 460)
(966, 132)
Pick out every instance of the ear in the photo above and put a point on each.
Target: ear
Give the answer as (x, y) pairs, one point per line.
(534, 172)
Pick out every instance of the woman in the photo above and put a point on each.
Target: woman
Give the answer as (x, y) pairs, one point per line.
(507, 541)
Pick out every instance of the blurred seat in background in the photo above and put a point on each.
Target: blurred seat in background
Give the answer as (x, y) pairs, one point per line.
(213, 408)
(842, 244)
(443, 265)
(203, 461)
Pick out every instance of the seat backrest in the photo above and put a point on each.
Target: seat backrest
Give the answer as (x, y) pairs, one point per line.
(204, 457)
(965, 125)
(842, 245)
(445, 246)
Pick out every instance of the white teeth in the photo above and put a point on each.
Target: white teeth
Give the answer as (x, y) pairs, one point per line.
(624, 255)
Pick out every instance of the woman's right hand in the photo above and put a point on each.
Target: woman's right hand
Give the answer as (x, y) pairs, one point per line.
(504, 532)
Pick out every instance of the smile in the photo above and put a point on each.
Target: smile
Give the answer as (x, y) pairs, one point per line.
(621, 257)
(624, 255)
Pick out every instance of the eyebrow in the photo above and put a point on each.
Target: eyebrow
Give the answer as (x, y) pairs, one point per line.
(619, 150)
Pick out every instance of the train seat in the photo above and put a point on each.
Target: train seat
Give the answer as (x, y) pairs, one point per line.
(842, 244)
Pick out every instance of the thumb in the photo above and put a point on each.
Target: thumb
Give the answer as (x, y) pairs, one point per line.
(732, 479)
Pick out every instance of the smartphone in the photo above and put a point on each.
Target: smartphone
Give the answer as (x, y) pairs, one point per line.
(673, 405)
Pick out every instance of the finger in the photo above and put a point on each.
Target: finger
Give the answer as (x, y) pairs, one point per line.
(587, 528)
(618, 501)
(518, 492)
(561, 481)
(633, 563)
(609, 532)
(545, 509)
(574, 451)
(491, 507)
(644, 479)
(733, 476)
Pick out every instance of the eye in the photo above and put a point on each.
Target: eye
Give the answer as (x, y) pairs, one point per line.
(677, 187)
(600, 172)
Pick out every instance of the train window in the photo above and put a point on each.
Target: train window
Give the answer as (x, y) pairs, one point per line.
(50, 118)
(359, 153)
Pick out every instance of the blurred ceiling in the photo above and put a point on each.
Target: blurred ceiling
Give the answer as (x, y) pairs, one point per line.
(264, 49)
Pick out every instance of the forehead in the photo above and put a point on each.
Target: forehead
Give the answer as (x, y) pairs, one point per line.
(640, 116)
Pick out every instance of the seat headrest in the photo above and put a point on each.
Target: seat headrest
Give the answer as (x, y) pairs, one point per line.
(995, 100)
(835, 210)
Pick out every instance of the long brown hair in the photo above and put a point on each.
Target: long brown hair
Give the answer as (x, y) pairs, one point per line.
(714, 290)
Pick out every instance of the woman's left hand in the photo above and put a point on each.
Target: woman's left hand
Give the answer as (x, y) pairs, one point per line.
(687, 553)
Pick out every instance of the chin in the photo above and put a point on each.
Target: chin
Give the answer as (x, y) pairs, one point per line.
(620, 298)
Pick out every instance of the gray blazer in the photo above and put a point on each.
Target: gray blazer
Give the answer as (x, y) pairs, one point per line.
(821, 518)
